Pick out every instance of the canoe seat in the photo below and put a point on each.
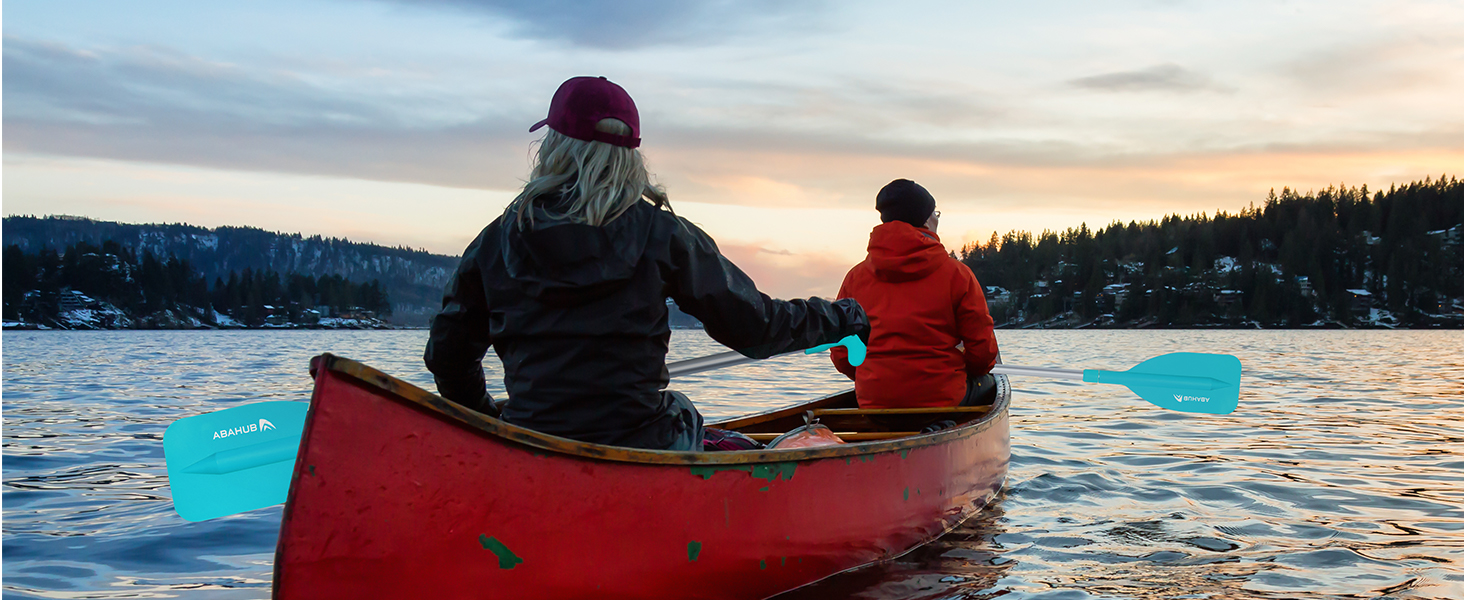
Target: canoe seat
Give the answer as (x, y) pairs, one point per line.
(841, 413)
(938, 410)
(886, 419)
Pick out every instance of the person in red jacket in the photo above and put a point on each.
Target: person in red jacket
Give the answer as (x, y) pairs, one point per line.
(921, 304)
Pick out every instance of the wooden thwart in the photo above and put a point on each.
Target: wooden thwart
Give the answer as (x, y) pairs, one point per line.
(818, 412)
(848, 436)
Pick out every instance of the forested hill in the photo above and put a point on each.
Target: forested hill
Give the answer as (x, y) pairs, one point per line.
(1335, 257)
(413, 279)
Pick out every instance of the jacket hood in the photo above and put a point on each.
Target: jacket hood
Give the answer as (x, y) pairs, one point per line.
(899, 251)
(564, 263)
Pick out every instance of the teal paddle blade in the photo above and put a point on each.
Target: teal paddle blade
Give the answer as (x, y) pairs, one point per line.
(1182, 381)
(856, 347)
(233, 460)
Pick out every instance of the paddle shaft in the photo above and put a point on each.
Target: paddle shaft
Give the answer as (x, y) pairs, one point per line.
(1186, 382)
(707, 363)
(732, 358)
(1037, 371)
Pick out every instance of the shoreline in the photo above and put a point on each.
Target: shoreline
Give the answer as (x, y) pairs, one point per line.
(1331, 326)
(379, 326)
(1376, 320)
(26, 326)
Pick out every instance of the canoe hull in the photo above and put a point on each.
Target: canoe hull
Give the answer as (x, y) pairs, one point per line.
(391, 499)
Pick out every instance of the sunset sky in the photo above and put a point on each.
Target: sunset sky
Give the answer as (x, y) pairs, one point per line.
(772, 124)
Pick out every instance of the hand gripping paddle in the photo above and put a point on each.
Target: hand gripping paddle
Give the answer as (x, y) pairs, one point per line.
(233, 460)
(856, 347)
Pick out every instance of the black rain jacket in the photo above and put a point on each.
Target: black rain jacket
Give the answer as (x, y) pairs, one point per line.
(578, 316)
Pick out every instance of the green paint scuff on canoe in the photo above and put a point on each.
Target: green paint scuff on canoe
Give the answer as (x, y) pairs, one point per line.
(772, 471)
(693, 549)
(907, 493)
(706, 471)
(506, 558)
(762, 564)
(769, 471)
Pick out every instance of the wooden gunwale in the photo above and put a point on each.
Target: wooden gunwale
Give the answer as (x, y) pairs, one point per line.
(444, 408)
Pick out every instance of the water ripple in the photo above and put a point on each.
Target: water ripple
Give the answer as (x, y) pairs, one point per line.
(1337, 478)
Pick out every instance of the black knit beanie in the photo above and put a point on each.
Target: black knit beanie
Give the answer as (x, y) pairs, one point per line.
(904, 200)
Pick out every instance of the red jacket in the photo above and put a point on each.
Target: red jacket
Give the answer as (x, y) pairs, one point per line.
(921, 303)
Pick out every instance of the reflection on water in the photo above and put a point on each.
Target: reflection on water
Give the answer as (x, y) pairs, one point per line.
(1338, 477)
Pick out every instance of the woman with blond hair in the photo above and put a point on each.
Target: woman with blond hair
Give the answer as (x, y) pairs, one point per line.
(569, 285)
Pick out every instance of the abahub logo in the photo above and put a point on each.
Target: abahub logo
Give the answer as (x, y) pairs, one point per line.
(262, 425)
(1182, 399)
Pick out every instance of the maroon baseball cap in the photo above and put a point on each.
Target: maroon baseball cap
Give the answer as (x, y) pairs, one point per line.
(581, 102)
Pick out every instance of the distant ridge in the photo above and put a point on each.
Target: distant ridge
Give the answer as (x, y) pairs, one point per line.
(1336, 257)
(414, 279)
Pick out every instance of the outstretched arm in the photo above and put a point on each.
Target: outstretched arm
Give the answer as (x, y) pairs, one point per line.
(709, 287)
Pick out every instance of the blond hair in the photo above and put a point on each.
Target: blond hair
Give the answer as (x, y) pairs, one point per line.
(601, 180)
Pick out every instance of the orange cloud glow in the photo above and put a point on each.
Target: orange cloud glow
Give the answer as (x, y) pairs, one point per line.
(786, 275)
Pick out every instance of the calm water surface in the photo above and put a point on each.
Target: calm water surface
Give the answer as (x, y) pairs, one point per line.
(1338, 477)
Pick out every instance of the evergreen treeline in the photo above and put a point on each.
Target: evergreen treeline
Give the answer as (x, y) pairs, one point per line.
(414, 278)
(1332, 256)
(39, 287)
(248, 296)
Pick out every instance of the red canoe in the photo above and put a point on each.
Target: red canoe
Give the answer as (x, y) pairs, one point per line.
(398, 493)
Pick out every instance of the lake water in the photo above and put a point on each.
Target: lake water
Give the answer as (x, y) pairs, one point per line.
(1341, 474)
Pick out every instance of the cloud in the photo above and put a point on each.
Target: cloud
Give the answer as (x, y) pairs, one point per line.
(1158, 78)
(153, 105)
(859, 104)
(788, 275)
(142, 84)
(1380, 66)
(633, 24)
(735, 142)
